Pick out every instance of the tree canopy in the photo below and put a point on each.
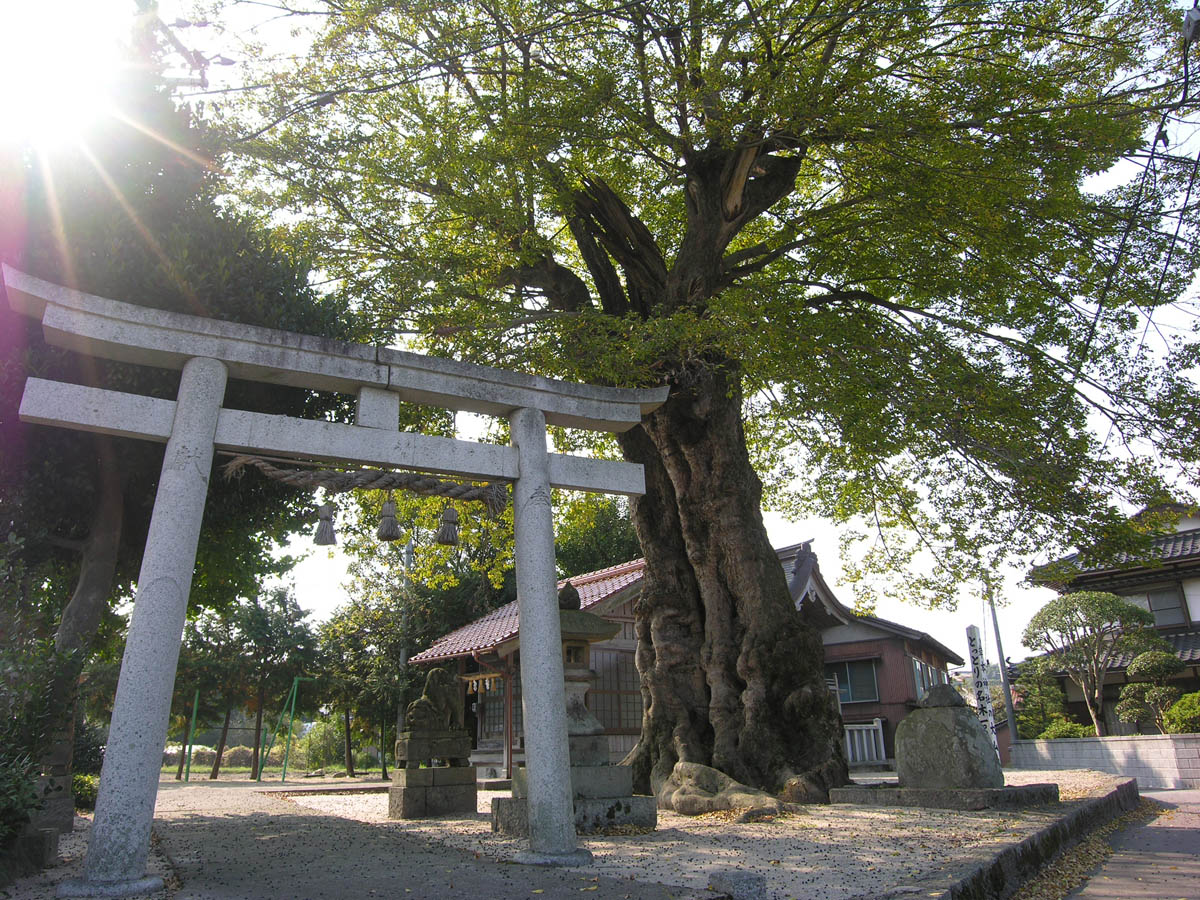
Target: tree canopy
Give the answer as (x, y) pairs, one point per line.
(1084, 633)
(887, 217)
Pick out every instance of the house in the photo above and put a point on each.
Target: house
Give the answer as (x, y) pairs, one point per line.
(879, 669)
(1167, 584)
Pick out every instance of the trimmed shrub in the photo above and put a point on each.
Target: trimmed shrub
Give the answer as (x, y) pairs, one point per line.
(1184, 716)
(89, 749)
(85, 788)
(203, 756)
(1063, 728)
(239, 757)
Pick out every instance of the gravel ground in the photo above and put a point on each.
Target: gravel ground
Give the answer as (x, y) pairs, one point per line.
(831, 852)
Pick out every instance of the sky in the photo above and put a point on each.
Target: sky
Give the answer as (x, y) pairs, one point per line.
(58, 58)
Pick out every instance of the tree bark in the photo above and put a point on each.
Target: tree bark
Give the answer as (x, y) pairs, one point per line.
(349, 749)
(1095, 708)
(731, 677)
(383, 747)
(77, 627)
(216, 768)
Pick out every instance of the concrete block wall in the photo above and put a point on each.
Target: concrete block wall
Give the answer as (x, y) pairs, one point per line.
(1155, 760)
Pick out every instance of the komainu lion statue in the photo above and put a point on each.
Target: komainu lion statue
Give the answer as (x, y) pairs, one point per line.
(439, 708)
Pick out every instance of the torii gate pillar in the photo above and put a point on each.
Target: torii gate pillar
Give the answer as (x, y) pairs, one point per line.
(120, 839)
(547, 757)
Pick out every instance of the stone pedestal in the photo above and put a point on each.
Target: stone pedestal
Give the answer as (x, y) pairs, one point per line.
(433, 776)
(601, 793)
(941, 745)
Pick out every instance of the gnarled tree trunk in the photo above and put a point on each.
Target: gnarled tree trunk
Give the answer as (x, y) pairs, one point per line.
(77, 627)
(730, 675)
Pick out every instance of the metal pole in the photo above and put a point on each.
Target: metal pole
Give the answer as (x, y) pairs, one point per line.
(187, 774)
(1008, 700)
(291, 721)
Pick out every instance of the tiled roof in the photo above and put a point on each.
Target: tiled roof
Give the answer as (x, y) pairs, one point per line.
(1165, 548)
(1185, 643)
(501, 624)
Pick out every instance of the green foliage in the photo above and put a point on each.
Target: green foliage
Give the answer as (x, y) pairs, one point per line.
(887, 218)
(1039, 700)
(1083, 632)
(1184, 716)
(1155, 666)
(28, 668)
(1149, 696)
(85, 788)
(322, 743)
(18, 795)
(594, 532)
(87, 756)
(1063, 728)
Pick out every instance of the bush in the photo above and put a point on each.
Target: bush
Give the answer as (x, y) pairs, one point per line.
(88, 755)
(1062, 728)
(1184, 716)
(366, 759)
(85, 788)
(18, 796)
(203, 756)
(239, 757)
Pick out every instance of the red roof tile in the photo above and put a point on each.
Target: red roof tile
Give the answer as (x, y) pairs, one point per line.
(502, 624)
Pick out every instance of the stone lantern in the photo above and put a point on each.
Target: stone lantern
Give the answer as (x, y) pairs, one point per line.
(602, 793)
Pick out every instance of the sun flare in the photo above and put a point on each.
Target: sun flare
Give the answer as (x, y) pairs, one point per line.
(59, 60)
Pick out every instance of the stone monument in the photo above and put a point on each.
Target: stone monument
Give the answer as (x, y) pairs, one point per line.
(433, 774)
(942, 744)
(601, 793)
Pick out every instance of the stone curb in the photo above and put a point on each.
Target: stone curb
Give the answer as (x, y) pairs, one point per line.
(290, 790)
(999, 876)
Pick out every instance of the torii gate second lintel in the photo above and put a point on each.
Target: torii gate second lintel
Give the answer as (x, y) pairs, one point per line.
(195, 424)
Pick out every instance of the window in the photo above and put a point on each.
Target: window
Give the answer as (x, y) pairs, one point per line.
(493, 707)
(926, 676)
(1167, 606)
(855, 680)
(1166, 602)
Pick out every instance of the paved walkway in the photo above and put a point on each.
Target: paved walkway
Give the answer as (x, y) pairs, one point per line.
(1159, 860)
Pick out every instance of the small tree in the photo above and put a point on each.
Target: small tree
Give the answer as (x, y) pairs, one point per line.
(1085, 631)
(1149, 693)
(1039, 700)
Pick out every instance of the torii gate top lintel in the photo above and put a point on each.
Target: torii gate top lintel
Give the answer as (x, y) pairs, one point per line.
(112, 329)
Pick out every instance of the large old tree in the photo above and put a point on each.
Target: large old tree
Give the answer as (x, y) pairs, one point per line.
(860, 244)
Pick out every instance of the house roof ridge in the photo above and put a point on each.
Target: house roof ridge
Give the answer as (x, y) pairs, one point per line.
(600, 574)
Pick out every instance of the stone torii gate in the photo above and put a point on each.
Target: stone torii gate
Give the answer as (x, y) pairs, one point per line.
(196, 424)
